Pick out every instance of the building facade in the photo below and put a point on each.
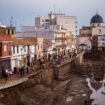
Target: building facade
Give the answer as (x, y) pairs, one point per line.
(94, 32)
(67, 22)
(5, 51)
(8, 30)
(61, 39)
(23, 51)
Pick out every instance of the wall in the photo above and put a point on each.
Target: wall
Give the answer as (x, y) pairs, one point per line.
(68, 22)
(65, 68)
(6, 46)
(98, 31)
(17, 57)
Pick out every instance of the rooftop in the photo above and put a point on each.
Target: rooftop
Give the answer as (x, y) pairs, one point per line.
(97, 19)
(5, 38)
(25, 41)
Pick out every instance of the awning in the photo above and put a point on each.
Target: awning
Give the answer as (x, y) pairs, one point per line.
(3, 59)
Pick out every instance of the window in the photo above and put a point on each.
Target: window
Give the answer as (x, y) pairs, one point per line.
(28, 48)
(13, 49)
(5, 47)
(102, 39)
(17, 49)
(8, 31)
(25, 48)
(42, 20)
(12, 32)
(38, 46)
(103, 44)
(47, 20)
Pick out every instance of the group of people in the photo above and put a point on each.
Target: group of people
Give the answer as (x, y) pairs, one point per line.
(38, 64)
(7, 73)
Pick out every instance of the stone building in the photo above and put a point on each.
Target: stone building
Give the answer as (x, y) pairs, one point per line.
(93, 33)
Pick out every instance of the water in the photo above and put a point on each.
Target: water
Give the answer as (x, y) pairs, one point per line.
(98, 94)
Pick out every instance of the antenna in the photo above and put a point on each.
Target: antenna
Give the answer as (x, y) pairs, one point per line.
(54, 7)
(11, 21)
(97, 11)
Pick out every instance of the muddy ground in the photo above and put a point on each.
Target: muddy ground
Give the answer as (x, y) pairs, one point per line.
(70, 92)
(73, 91)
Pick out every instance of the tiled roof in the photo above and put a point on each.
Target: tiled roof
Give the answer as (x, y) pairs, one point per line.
(24, 41)
(5, 38)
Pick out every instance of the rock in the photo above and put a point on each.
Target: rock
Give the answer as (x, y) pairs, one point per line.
(68, 99)
(84, 95)
(1, 104)
(1, 95)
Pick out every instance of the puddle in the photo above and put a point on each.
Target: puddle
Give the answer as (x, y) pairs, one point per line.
(98, 94)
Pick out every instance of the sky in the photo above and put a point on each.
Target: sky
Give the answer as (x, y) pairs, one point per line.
(25, 11)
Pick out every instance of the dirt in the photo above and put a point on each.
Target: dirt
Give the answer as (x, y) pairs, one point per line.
(73, 91)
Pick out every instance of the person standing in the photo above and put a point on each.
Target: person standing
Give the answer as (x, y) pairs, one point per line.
(4, 74)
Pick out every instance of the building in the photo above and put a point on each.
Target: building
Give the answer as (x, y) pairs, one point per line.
(43, 48)
(7, 30)
(5, 51)
(84, 43)
(99, 42)
(59, 29)
(93, 32)
(29, 49)
(42, 21)
(67, 22)
(23, 51)
(96, 27)
(61, 39)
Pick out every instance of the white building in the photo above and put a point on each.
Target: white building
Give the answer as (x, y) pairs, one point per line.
(67, 22)
(42, 21)
(59, 37)
(23, 51)
(101, 41)
(57, 28)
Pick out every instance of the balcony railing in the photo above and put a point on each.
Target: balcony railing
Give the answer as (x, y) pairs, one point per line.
(60, 38)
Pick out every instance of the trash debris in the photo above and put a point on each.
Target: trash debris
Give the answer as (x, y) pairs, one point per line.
(68, 99)
(84, 95)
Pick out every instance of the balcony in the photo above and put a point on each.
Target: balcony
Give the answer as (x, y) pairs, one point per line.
(61, 46)
(60, 38)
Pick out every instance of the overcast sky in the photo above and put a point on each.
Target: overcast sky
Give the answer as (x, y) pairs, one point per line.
(25, 11)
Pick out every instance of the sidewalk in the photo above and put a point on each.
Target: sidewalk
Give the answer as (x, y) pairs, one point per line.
(16, 80)
(12, 82)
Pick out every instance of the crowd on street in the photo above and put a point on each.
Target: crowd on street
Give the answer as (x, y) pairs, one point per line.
(34, 66)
